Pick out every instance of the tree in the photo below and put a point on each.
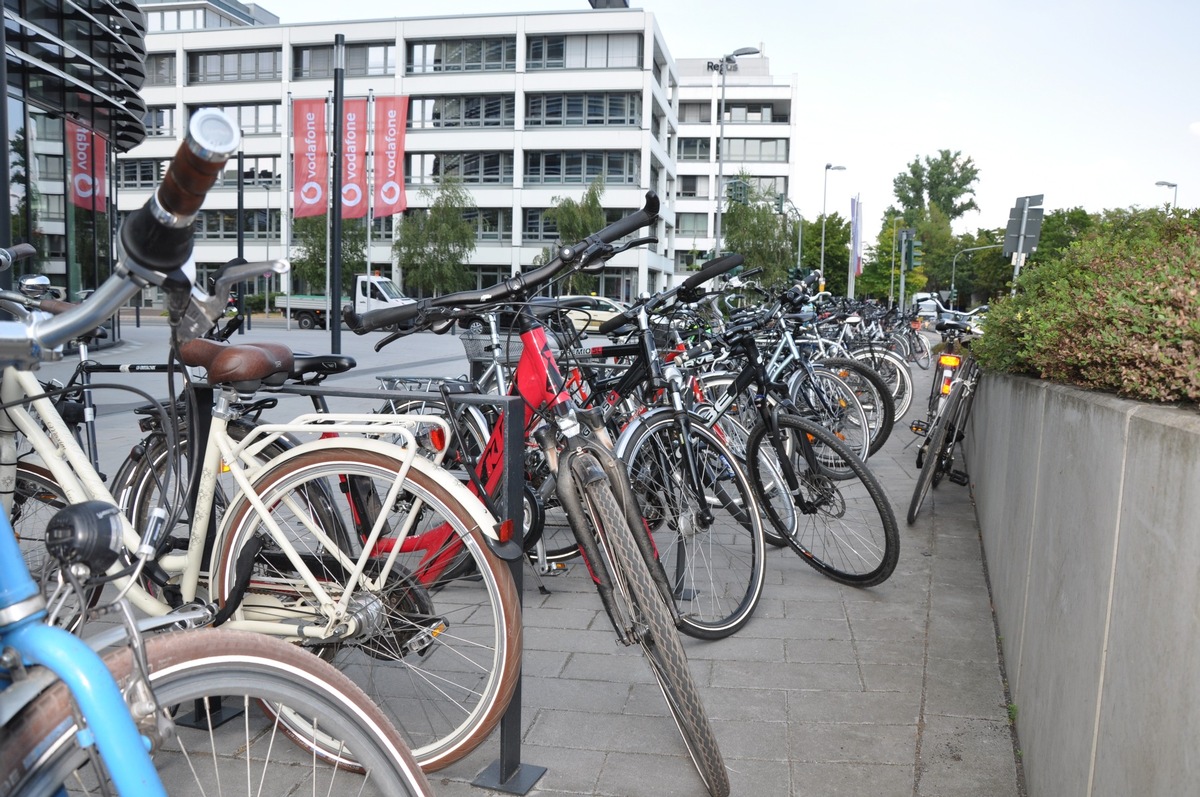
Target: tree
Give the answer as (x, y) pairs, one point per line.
(310, 252)
(1060, 228)
(433, 245)
(575, 220)
(755, 230)
(945, 182)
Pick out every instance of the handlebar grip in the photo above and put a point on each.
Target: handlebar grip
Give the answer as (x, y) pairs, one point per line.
(713, 268)
(633, 222)
(614, 323)
(158, 235)
(383, 317)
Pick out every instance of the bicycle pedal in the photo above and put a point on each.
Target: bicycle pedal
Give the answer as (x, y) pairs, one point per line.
(959, 477)
(919, 427)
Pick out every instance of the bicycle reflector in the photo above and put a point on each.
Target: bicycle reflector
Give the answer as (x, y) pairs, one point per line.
(949, 364)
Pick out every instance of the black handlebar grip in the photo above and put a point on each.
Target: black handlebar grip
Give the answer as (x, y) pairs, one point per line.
(633, 222)
(712, 269)
(158, 235)
(383, 317)
(615, 323)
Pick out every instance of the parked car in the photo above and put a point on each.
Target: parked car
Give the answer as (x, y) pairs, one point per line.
(587, 313)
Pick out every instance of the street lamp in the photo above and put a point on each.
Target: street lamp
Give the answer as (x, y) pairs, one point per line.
(726, 60)
(829, 167)
(954, 263)
(1169, 184)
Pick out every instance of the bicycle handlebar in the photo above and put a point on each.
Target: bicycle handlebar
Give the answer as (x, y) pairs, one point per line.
(710, 270)
(155, 245)
(578, 255)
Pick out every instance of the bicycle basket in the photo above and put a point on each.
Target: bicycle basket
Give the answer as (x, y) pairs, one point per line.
(477, 348)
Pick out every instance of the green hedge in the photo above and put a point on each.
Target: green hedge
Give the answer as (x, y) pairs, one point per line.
(1118, 310)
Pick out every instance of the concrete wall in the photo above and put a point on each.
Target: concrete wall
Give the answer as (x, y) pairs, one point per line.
(1089, 507)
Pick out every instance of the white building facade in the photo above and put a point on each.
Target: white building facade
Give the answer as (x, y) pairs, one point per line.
(525, 109)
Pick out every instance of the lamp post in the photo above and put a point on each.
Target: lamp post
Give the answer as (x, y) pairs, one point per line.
(799, 231)
(1175, 186)
(726, 60)
(829, 167)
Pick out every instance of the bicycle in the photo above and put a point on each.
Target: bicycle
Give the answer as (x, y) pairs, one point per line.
(64, 713)
(956, 381)
(591, 483)
(370, 589)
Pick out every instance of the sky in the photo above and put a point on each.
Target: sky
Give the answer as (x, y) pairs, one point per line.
(1088, 102)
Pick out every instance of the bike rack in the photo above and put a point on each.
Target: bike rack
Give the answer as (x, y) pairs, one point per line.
(507, 773)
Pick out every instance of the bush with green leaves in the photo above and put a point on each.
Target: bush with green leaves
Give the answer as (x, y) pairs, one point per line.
(1118, 310)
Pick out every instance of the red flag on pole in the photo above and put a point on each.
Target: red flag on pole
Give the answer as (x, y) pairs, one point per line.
(310, 188)
(89, 167)
(354, 159)
(391, 114)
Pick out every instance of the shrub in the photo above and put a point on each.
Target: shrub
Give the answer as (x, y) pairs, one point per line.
(1118, 310)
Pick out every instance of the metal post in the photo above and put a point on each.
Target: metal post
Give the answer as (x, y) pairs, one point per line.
(892, 276)
(954, 261)
(335, 221)
(241, 233)
(824, 188)
(720, 189)
(1019, 255)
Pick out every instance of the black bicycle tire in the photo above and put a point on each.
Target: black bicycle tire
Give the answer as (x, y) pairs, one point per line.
(701, 546)
(886, 401)
(659, 640)
(39, 752)
(822, 561)
(933, 460)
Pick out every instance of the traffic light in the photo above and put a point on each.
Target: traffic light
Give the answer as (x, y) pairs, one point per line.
(735, 191)
(780, 202)
(914, 258)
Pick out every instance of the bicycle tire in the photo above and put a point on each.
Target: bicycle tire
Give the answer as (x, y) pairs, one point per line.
(716, 572)
(40, 751)
(851, 534)
(658, 639)
(934, 459)
(873, 393)
(922, 354)
(895, 373)
(445, 691)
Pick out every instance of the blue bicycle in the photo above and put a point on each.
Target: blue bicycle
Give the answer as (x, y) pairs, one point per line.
(172, 708)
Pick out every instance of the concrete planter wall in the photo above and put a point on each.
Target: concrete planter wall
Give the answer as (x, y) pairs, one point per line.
(1089, 507)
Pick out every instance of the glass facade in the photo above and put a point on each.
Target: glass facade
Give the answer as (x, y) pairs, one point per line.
(72, 104)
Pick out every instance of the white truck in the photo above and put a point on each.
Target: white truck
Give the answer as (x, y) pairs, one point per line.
(371, 292)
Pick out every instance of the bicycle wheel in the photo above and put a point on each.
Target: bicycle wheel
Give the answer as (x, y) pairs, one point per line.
(658, 638)
(937, 446)
(842, 526)
(710, 545)
(872, 392)
(438, 642)
(895, 373)
(922, 354)
(822, 396)
(222, 674)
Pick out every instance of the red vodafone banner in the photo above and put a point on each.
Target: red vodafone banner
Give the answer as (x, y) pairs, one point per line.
(354, 159)
(391, 114)
(88, 153)
(310, 191)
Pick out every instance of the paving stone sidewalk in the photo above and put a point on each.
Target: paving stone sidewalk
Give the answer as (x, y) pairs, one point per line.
(829, 690)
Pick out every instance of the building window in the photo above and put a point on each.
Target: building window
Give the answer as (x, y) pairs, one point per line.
(584, 51)
(259, 171)
(694, 149)
(695, 113)
(160, 121)
(362, 60)
(140, 173)
(538, 227)
(693, 224)
(491, 224)
(222, 224)
(693, 186)
(617, 168)
(236, 66)
(750, 114)
(773, 150)
(253, 119)
(462, 55)
(473, 168)
(160, 69)
(484, 110)
(598, 108)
